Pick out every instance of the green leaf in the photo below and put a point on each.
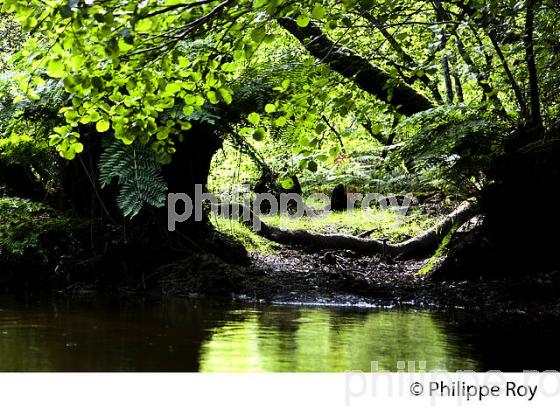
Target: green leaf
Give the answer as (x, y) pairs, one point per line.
(312, 166)
(228, 67)
(54, 139)
(318, 11)
(320, 128)
(69, 154)
(94, 116)
(257, 35)
(78, 147)
(183, 62)
(71, 116)
(188, 110)
(270, 108)
(346, 21)
(333, 152)
(172, 88)
(212, 97)
(254, 118)
(269, 38)
(55, 68)
(303, 21)
(226, 95)
(102, 126)
(287, 183)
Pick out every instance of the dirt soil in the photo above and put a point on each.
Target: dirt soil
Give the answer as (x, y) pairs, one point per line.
(344, 278)
(291, 275)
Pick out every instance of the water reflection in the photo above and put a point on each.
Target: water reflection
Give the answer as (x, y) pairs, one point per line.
(182, 335)
(320, 339)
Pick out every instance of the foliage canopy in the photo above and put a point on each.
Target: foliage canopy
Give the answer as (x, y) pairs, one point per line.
(333, 76)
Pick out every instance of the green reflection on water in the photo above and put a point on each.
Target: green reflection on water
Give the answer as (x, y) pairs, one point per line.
(183, 335)
(312, 339)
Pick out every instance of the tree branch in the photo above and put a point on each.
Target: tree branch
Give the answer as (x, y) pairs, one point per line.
(366, 76)
(517, 91)
(335, 132)
(167, 9)
(400, 51)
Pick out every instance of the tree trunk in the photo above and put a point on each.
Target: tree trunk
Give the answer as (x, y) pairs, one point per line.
(449, 97)
(83, 195)
(536, 119)
(421, 245)
(191, 167)
(458, 86)
(368, 77)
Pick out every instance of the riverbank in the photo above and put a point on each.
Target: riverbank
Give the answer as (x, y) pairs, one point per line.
(346, 278)
(45, 252)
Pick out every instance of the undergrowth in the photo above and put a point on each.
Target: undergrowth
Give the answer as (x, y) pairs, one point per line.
(382, 223)
(22, 222)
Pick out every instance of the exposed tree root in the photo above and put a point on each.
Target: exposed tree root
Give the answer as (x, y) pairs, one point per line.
(421, 245)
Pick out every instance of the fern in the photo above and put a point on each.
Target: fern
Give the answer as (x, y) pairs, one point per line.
(137, 172)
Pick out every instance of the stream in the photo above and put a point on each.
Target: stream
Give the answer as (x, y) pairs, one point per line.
(174, 334)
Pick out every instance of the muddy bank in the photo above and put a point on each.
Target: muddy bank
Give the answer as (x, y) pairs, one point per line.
(42, 252)
(294, 276)
(288, 276)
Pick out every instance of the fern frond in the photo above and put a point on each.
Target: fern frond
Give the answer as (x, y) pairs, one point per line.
(137, 172)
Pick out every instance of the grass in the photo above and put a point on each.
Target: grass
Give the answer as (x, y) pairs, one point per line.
(384, 223)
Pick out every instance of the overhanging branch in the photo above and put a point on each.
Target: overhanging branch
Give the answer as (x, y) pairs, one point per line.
(368, 77)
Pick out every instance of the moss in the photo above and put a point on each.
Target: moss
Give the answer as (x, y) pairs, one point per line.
(250, 240)
(384, 223)
(440, 252)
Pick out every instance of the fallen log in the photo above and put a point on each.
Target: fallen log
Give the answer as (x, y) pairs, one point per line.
(421, 245)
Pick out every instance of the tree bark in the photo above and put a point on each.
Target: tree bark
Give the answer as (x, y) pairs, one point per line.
(456, 79)
(368, 77)
(191, 167)
(517, 91)
(536, 119)
(449, 97)
(421, 245)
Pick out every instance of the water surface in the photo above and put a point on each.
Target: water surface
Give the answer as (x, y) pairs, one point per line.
(69, 334)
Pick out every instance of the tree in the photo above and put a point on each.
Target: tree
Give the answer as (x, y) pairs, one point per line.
(145, 70)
